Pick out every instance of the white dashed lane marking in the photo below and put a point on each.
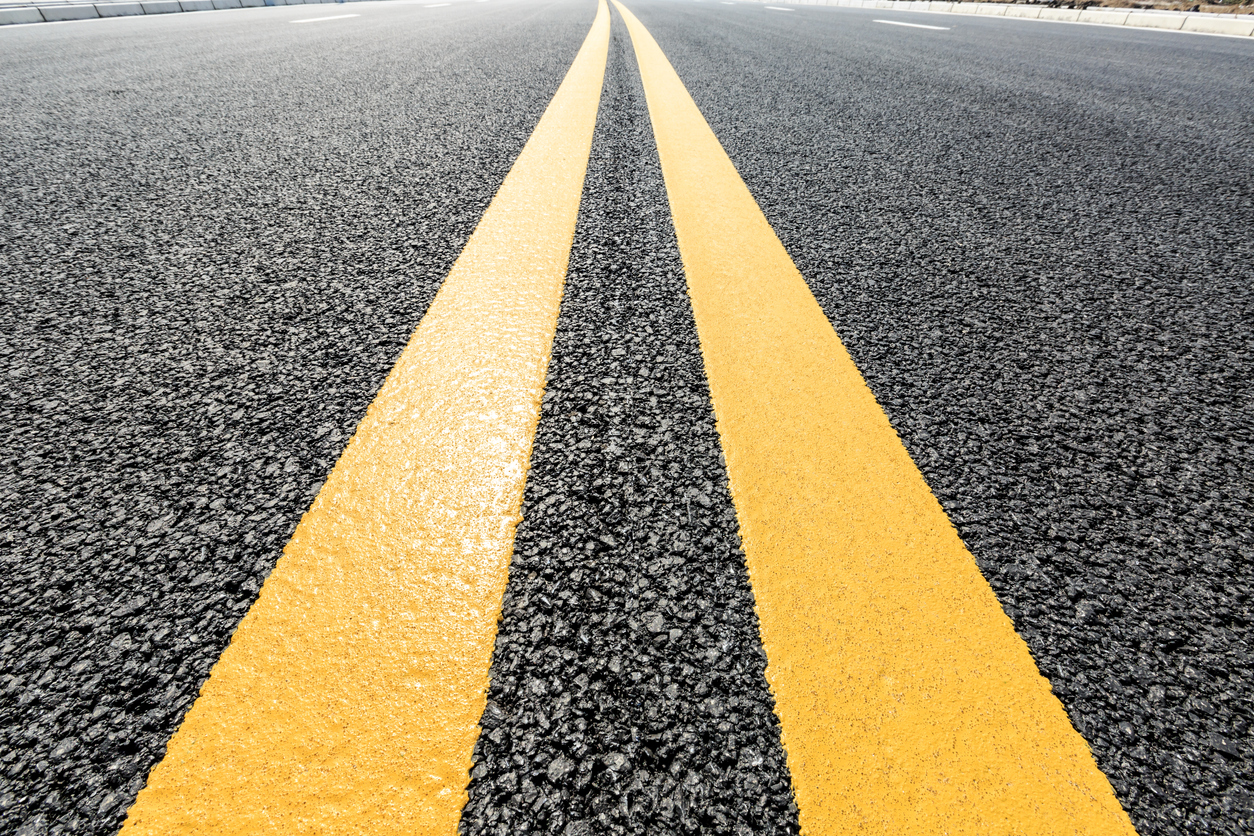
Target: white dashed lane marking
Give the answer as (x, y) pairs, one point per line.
(913, 25)
(317, 19)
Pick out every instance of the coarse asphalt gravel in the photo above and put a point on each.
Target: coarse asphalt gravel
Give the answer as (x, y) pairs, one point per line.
(628, 690)
(1037, 242)
(1035, 239)
(218, 233)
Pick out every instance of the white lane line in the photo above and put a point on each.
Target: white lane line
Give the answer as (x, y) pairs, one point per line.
(436, 5)
(913, 25)
(316, 19)
(779, 9)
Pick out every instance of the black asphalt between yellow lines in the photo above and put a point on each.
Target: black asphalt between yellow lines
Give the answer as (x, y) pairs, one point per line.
(628, 692)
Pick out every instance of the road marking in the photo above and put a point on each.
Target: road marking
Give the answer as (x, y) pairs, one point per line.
(912, 25)
(436, 5)
(348, 699)
(316, 19)
(908, 704)
(779, 9)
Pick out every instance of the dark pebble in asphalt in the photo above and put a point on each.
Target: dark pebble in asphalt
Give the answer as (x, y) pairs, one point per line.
(628, 691)
(1036, 242)
(205, 279)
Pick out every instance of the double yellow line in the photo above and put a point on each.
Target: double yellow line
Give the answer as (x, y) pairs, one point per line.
(349, 697)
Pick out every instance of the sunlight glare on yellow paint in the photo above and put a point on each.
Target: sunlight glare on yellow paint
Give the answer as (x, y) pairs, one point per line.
(349, 697)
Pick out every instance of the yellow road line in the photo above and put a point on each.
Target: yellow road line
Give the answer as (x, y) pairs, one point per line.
(908, 703)
(348, 699)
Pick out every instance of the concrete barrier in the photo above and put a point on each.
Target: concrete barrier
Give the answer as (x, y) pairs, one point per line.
(161, 7)
(1024, 10)
(1153, 21)
(69, 12)
(227, 4)
(196, 5)
(1216, 25)
(27, 15)
(1111, 17)
(119, 9)
(1047, 13)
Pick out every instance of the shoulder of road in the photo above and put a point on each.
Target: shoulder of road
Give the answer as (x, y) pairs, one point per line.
(1206, 23)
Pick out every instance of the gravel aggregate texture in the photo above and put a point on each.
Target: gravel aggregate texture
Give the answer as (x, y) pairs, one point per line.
(217, 233)
(628, 691)
(1036, 242)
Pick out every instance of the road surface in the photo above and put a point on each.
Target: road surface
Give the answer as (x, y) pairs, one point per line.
(1035, 241)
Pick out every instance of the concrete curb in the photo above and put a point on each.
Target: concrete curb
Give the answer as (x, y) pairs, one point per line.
(69, 12)
(87, 11)
(120, 9)
(1211, 24)
(30, 15)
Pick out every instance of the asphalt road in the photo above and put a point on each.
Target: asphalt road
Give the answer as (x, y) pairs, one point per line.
(218, 232)
(628, 693)
(1035, 239)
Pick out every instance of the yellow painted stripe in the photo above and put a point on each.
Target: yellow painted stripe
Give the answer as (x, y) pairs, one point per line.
(908, 703)
(348, 699)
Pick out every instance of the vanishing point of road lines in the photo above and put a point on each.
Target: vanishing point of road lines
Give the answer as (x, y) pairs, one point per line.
(735, 603)
(907, 702)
